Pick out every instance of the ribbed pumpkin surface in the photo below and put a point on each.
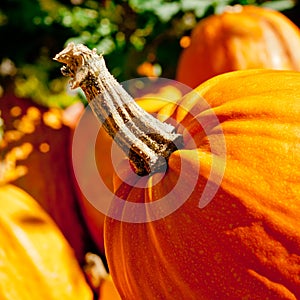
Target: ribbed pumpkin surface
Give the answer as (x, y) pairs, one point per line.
(242, 37)
(245, 244)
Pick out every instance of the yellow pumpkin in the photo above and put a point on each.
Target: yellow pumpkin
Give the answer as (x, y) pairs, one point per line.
(241, 37)
(36, 261)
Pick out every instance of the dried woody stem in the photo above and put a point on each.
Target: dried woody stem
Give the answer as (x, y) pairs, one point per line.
(147, 141)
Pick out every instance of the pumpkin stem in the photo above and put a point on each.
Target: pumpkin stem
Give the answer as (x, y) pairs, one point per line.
(94, 270)
(145, 140)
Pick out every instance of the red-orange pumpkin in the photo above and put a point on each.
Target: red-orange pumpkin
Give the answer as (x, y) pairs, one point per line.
(245, 242)
(242, 37)
(49, 176)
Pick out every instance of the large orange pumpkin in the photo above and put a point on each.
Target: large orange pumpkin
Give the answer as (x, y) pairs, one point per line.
(36, 260)
(242, 37)
(241, 149)
(245, 243)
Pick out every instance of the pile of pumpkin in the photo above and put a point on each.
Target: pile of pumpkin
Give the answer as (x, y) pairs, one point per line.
(245, 244)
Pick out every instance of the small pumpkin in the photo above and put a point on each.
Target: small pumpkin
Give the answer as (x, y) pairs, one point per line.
(36, 260)
(245, 242)
(49, 176)
(99, 279)
(241, 37)
(108, 290)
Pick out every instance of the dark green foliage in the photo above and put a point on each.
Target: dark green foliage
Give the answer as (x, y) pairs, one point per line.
(127, 32)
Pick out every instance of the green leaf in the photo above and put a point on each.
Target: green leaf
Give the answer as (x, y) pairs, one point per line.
(164, 10)
(279, 4)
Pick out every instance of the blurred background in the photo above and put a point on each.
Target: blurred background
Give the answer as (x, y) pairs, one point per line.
(138, 38)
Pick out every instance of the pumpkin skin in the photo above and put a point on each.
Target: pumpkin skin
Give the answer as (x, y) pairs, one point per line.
(245, 243)
(36, 260)
(49, 176)
(108, 290)
(242, 37)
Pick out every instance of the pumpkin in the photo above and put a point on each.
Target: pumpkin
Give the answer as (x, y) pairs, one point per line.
(108, 290)
(37, 262)
(239, 148)
(241, 37)
(49, 176)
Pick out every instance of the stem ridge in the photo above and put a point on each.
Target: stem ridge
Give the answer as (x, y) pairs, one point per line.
(146, 141)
